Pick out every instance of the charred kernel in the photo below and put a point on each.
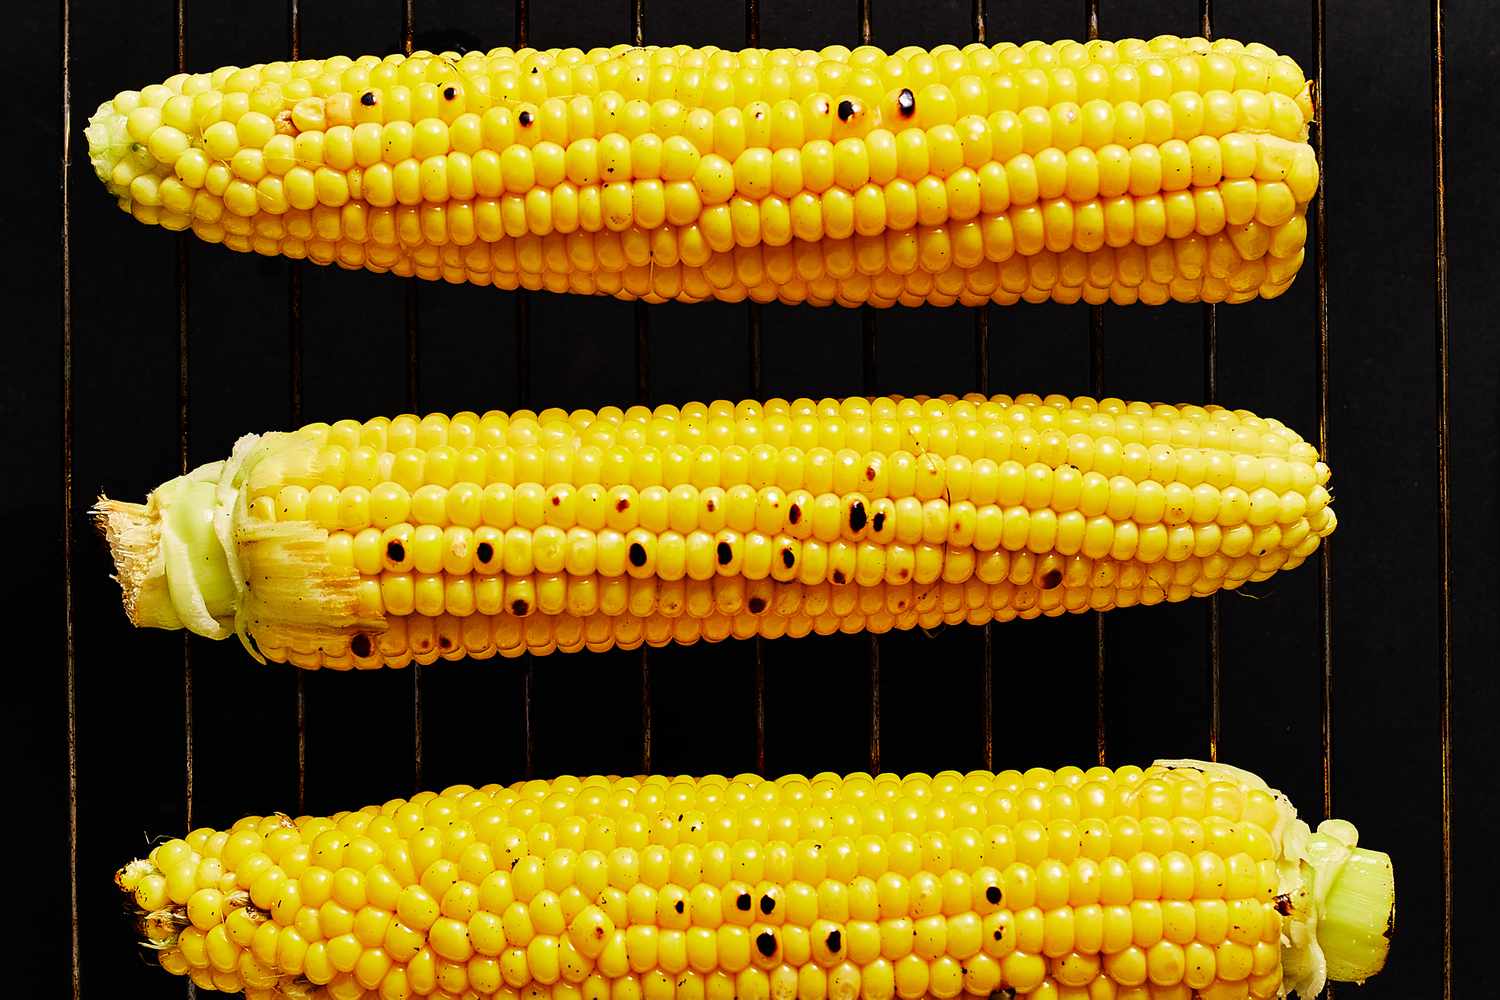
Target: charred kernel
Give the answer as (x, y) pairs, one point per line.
(794, 513)
(765, 943)
(1050, 580)
(360, 645)
(519, 608)
(838, 576)
(788, 558)
(767, 902)
(835, 941)
(525, 118)
(878, 521)
(678, 905)
(743, 902)
(724, 553)
(367, 98)
(622, 504)
(484, 552)
(993, 895)
(906, 103)
(449, 93)
(395, 551)
(857, 516)
(757, 605)
(637, 554)
(846, 110)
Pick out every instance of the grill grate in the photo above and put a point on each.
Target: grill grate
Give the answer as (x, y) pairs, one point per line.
(981, 340)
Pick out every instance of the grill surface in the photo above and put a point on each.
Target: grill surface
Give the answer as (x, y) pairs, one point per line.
(163, 731)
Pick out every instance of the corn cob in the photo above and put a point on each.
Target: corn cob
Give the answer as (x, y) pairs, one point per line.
(378, 543)
(1129, 171)
(1187, 878)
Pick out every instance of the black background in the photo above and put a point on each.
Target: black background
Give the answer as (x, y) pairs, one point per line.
(1376, 103)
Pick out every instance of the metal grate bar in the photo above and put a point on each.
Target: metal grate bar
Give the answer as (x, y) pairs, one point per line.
(418, 740)
(294, 375)
(1211, 395)
(643, 395)
(70, 653)
(1445, 500)
(1096, 385)
(753, 329)
(1320, 286)
(982, 385)
(179, 23)
(523, 399)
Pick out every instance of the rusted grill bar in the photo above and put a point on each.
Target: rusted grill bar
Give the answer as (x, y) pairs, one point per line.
(1320, 286)
(418, 742)
(1096, 386)
(871, 381)
(1444, 499)
(179, 23)
(643, 395)
(70, 652)
(982, 385)
(753, 328)
(1211, 395)
(523, 399)
(294, 376)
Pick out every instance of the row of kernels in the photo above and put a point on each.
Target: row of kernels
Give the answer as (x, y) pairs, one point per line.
(1223, 476)
(1117, 516)
(988, 165)
(666, 285)
(1068, 71)
(423, 639)
(1223, 63)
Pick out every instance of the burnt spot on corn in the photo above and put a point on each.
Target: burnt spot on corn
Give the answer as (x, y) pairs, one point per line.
(906, 103)
(1051, 579)
(444, 642)
(360, 645)
(678, 906)
(993, 895)
(449, 93)
(556, 500)
(484, 552)
(526, 117)
(794, 514)
(1284, 905)
(765, 943)
(835, 941)
(767, 904)
(622, 504)
(788, 558)
(367, 98)
(857, 516)
(878, 521)
(903, 573)
(637, 554)
(846, 110)
(395, 551)
(519, 607)
(870, 473)
(838, 576)
(743, 902)
(709, 505)
(999, 933)
(756, 606)
(725, 553)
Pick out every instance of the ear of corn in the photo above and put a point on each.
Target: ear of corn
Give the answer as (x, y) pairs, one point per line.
(1128, 171)
(383, 542)
(1187, 878)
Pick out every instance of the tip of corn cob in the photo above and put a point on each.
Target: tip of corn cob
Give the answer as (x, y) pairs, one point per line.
(1339, 899)
(113, 153)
